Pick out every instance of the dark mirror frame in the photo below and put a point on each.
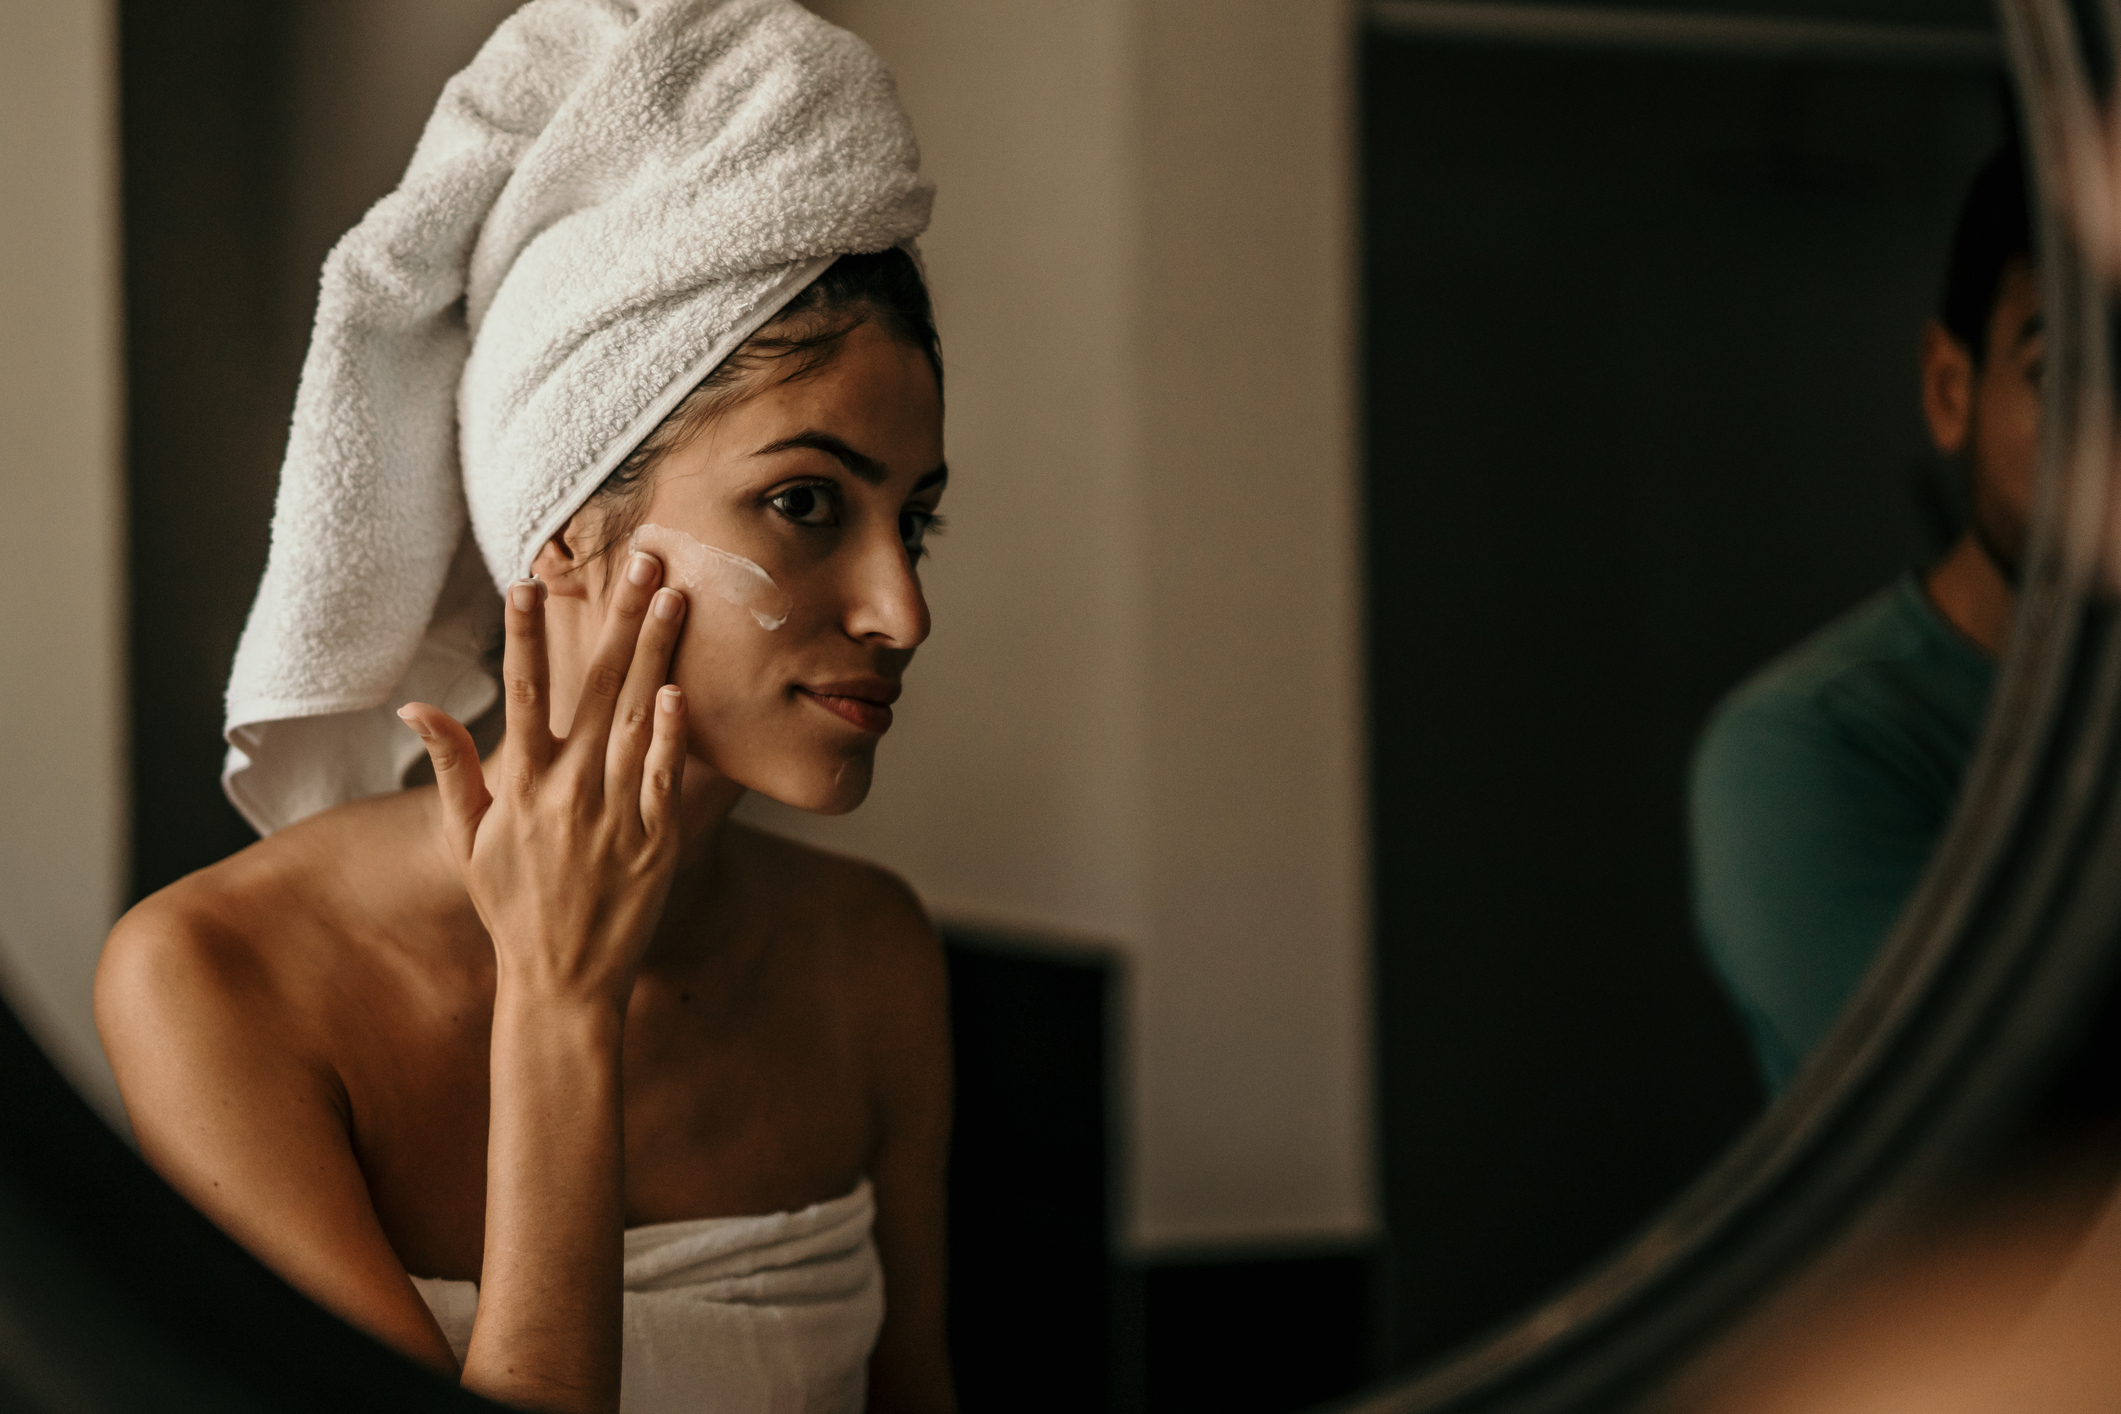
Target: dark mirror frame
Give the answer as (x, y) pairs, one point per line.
(116, 1294)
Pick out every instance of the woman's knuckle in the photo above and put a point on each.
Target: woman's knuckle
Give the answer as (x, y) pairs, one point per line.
(604, 680)
(522, 691)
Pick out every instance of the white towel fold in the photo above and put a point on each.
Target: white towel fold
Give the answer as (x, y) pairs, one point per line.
(605, 203)
(736, 1315)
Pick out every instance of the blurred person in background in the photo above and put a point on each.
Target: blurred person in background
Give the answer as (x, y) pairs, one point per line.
(1822, 783)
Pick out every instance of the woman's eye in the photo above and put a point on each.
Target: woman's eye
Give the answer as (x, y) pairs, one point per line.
(805, 505)
(913, 529)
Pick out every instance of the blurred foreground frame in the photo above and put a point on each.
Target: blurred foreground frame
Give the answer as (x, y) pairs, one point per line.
(115, 1294)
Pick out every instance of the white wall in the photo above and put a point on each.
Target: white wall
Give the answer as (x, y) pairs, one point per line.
(1138, 721)
(62, 687)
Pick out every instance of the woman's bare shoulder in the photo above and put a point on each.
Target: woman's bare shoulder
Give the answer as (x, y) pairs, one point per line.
(868, 928)
(885, 958)
(251, 930)
(865, 902)
(206, 927)
(190, 1001)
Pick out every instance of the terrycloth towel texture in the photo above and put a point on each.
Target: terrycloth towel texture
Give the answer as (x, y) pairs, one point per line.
(736, 1315)
(605, 203)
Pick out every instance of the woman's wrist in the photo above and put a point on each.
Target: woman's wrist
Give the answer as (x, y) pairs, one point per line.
(545, 993)
(547, 1333)
(547, 1051)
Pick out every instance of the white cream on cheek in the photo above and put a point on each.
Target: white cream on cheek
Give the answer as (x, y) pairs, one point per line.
(706, 569)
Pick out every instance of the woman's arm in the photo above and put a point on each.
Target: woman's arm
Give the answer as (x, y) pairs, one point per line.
(244, 1114)
(547, 1332)
(232, 1105)
(910, 1370)
(568, 861)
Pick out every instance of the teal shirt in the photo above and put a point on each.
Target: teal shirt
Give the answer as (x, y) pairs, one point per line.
(1819, 788)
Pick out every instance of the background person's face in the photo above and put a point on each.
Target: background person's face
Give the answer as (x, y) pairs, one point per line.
(2004, 436)
(826, 483)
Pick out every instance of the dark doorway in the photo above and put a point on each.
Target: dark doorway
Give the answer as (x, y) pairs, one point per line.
(1642, 412)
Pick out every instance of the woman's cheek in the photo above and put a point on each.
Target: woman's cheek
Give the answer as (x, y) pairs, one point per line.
(725, 663)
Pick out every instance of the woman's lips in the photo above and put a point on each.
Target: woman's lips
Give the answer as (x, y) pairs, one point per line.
(865, 708)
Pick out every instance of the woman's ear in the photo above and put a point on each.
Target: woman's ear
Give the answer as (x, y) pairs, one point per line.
(1947, 388)
(561, 560)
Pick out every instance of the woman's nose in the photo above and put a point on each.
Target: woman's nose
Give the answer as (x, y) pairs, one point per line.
(886, 605)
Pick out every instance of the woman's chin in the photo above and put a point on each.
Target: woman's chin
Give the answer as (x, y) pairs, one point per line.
(823, 788)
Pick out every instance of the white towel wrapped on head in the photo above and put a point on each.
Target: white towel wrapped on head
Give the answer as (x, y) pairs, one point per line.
(609, 200)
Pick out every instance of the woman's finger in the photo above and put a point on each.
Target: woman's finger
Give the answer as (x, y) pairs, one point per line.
(524, 685)
(458, 774)
(663, 773)
(601, 685)
(633, 724)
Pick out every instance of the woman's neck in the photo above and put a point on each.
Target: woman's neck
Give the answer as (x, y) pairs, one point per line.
(685, 928)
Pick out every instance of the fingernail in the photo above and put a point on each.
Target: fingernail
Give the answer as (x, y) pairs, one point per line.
(405, 716)
(667, 603)
(642, 568)
(670, 698)
(524, 595)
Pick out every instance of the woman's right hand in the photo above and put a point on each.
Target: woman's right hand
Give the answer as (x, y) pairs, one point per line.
(568, 856)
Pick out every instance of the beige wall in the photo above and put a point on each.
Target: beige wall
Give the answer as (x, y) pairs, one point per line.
(1139, 718)
(62, 748)
(362, 80)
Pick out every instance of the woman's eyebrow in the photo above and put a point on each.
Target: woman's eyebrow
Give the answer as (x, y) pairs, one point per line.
(868, 469)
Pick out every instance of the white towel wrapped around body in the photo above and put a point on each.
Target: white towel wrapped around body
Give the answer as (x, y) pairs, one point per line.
(611, 198)
(736, 1315)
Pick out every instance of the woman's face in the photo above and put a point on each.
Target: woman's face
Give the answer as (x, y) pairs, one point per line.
(827, 485)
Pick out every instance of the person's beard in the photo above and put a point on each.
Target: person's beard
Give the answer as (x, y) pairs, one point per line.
(2000, 538)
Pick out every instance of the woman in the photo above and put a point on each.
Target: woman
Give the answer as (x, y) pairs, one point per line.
(549, 1070)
